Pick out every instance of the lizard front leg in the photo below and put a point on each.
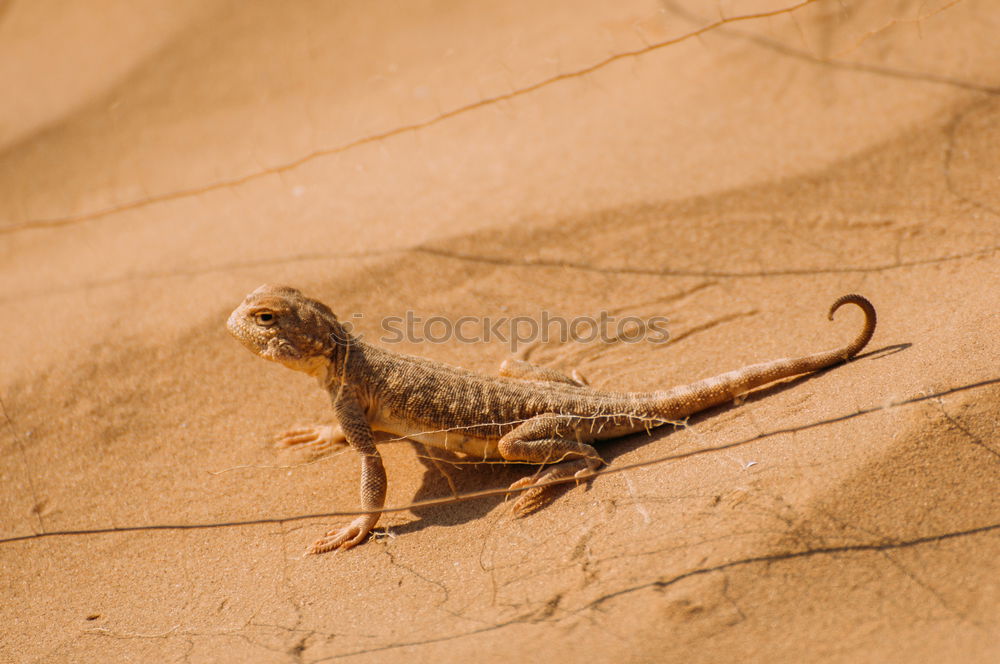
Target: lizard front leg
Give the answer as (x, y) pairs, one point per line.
(548, 438)
(317, 440)
(521, 370)
(373, 480)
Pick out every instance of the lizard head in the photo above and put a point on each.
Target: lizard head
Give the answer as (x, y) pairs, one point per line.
(283, 325)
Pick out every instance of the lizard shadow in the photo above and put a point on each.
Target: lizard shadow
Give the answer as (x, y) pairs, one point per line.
(447, 474)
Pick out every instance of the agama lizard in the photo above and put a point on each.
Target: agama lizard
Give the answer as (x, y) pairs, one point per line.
(528, 414)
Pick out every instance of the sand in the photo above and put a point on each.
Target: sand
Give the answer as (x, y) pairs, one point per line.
(733, 166)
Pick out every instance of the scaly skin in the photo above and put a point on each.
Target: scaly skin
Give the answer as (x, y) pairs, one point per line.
(528, 414)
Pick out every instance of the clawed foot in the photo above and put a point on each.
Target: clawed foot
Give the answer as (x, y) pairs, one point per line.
(315, 441)
(346, 537)
(538, 497)
(531, 500)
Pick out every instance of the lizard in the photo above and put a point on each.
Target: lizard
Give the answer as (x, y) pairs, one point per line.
(527, 414)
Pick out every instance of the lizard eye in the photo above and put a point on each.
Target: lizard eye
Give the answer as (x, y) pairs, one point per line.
(265, 318)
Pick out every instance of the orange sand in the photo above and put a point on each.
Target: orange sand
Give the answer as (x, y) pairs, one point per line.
(160, 159)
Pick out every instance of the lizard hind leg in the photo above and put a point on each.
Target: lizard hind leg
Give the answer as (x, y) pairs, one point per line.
(546, 439)
(538, 497)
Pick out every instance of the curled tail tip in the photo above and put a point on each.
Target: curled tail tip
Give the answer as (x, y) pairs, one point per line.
(853, 298)
(870, 320)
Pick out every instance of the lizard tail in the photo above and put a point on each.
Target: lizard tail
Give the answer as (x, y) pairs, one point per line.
(688, 399)
(867, 331)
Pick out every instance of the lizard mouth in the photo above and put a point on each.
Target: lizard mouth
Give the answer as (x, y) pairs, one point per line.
(249, 337)
(280, 350)
(237, 327)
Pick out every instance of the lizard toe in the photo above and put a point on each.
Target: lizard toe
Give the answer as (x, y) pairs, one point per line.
(335, 539)
(344, 538)
(531, 501)
(312, 442)
(296, 437)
